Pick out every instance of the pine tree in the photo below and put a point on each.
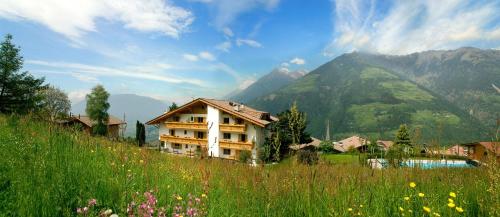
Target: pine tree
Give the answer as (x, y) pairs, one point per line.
(403, 137)
(19, 91)
(97, 109)
(172, 107)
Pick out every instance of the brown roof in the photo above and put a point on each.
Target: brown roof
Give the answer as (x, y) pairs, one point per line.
(86, 120)
(315, 142)
(353, 141)
(385, 143)
(257, 117)
(490, 146)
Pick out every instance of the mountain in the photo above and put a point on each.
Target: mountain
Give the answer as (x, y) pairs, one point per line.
(467, 77)
(361, 98)
(134, 107)
(276, 79)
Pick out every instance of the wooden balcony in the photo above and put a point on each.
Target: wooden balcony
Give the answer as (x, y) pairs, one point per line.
(184, 140)
(187, 125)
(235, 145)
(233, 128)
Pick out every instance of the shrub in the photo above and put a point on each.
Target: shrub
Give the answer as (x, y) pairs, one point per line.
(307, 157)
(326, 147)
(245, 156)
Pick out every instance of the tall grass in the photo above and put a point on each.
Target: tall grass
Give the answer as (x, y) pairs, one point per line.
(47, 170)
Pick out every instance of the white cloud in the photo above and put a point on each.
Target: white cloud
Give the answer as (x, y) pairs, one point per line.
(77, 17)
(228, 32)
(224, 46)
(228, 10)
(206, 55)
(285, 64)
(147, 72)
(246, 83)
(85, 78)
(77, 95)
(412, 26)
(283, 70)
(298, 61)
(248, 42)
(190, 57)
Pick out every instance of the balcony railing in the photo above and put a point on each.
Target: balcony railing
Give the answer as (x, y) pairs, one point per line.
(184, 140)
(186, 125)
(235, 145)
(234, 128)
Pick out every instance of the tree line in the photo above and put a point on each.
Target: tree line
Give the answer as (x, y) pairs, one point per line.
(22, 93)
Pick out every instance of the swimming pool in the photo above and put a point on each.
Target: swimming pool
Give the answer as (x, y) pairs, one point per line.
(424, 164)
(429, 164)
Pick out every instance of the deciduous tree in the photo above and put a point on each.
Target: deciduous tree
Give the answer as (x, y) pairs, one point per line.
(97, 109)
(55, 103)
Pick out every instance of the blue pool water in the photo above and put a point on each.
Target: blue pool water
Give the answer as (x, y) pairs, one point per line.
(429, 164)
(424, 164)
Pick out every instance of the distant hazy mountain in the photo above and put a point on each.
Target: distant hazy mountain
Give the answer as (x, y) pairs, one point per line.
(467, 77)
(134, 107)
(274, 80)
(364, 98)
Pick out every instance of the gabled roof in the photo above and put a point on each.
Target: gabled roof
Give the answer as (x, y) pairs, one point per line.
(315, 143)
(490, 146)
(257, 117)
(86, 120)
(353, 141)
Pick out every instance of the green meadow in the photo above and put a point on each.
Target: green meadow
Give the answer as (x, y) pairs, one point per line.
(47, 170)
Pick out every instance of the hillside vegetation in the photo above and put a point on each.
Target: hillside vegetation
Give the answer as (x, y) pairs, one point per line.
(360, 98)
(46, 170)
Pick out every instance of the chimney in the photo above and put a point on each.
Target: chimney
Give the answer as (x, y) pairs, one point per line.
(78, 116)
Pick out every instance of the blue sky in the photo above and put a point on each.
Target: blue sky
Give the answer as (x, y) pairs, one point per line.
(178, 50)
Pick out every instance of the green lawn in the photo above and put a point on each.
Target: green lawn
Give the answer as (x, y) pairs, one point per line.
(341, 158)
(47, 170)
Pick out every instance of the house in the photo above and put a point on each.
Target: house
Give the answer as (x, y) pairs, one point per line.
(481, 150)
(351, 143)
(385, 144)
(313, 145)
(114, 124)
(216, 128)
(456, 150)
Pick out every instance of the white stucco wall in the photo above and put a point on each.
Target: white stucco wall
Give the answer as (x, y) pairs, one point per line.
(213, 117)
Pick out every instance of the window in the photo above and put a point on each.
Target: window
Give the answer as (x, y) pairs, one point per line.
(192, 119)
(162, 143)
(185, 146)
(200, 119)
(227, 136)
(177, 146)
(227, 151)
(226, 120)
(177, 118)
(185, 132)
(243, 137)
(239, 121)
(200, 135)
(198, 148)
(172, 132)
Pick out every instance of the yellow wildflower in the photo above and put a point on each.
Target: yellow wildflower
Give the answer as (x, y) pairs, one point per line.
(459, 209)
(141, 161)
(410, 211)
(350, 209)
(203, 195)
(412, 184)
(179, 198)
(421, 194)
(452, 194)
(359, 213)
(450, 200)
(361, 205)
(436, 214)
(401, 209)
(427, 209)
(407, 198)
(129, 171)
(451, 205)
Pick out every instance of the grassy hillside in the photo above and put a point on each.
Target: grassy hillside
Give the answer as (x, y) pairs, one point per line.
(50, 171)
(360, 98)
(464, 77)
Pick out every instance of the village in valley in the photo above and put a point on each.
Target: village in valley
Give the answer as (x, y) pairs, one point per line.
(249, 108)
